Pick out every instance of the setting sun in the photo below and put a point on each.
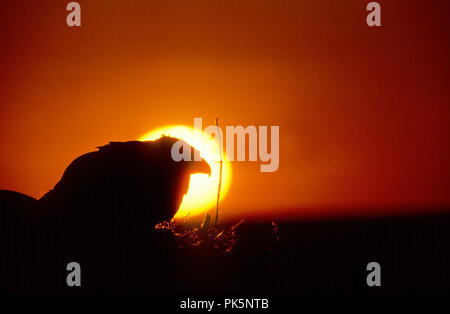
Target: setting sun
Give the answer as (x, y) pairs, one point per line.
(202, 193)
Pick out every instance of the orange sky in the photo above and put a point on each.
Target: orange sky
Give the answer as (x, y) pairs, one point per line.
(363, 112)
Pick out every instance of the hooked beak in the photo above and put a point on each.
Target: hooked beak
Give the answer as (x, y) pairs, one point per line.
(200, 167)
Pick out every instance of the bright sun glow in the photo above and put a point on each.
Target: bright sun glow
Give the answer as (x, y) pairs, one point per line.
(202, 193)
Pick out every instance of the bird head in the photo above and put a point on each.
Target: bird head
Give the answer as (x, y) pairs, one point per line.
(185, 161)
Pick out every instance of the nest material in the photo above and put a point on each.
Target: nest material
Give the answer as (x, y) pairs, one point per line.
(204, 236)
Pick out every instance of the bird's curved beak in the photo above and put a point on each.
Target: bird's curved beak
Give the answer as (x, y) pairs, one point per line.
(200, 167)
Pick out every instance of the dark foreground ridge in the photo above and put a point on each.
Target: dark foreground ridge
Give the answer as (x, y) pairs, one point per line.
(323, 256)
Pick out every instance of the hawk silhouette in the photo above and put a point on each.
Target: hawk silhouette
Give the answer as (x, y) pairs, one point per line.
(101, 214)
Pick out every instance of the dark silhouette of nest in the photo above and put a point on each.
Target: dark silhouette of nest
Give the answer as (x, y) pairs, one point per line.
(206, 237)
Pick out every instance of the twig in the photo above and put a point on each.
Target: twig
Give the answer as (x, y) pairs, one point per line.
(220, 173)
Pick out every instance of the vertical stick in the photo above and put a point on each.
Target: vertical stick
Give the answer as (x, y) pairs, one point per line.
(220, 173)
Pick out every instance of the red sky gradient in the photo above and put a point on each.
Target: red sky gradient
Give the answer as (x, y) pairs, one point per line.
(363, 112)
